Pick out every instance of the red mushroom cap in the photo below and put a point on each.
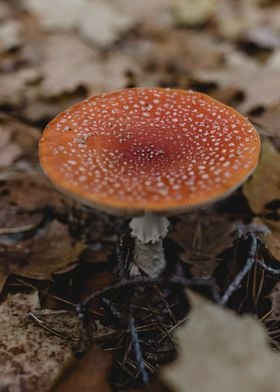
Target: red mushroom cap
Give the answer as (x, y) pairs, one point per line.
(149, 149)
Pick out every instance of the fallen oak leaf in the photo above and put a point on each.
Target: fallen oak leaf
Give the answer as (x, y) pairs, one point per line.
(14, 85)
(33, 192)
(248, 20)
(220, 351)
(271, 236)
(11, 35)
(190, 13)
(22, 210)
(90, 70)
(30, 357)
(203, 238)
(269, 120)
(241, 73)
(274, 296)
(98, 21)
(18, 143)
(264, 185)
(89, 374)
(51, 250)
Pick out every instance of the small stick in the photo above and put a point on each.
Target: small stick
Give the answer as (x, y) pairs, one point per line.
(112, 307)
(248, 265)
(137, 350)
(147, 280)
(273, 271)
(120, 256)
(50, 330)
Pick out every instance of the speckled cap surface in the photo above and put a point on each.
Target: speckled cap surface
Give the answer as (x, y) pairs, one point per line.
(149, 149)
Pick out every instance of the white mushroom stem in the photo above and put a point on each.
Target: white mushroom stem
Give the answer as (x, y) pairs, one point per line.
(148, 231)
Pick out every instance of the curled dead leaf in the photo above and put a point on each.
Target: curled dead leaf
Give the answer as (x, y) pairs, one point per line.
(275, 303)
(264, 186)
(271, 236)
(91, 70)
(203, 238)
(14, 85)
(18, 143)
(100, 22)
(241, 73)
(190, 13)
(51, 250)
(219, 351)
(89, 374)
(32, 192)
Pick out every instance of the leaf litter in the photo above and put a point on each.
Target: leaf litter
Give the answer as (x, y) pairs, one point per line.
(216, 342)
(54, 56)
(31, 358)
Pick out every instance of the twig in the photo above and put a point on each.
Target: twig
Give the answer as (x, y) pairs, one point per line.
(50, 330)
(137, 350)
(248, 265)
(147, 280)
(273, 271)
(121, 258)
(112, 307)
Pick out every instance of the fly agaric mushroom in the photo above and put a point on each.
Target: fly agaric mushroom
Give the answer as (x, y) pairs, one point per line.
(149, 153)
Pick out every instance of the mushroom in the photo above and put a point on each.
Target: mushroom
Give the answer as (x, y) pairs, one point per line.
(149, 153)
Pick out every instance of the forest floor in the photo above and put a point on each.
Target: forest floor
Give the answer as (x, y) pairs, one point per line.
(71, 318)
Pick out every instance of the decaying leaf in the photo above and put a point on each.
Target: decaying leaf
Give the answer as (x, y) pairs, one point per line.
(99, 21)
(84, 70)
(219, 351)
(203, 238)
(188, 12)
(268, 123)
(89, 374)
(32, 192)
(30, 357)
(22, 210)
(245, 75)
(264, 185)
(248, 20)
(14, 85)
(11, 35)
(50, 250)
(275, 303)
(270, 236)
(18, 143)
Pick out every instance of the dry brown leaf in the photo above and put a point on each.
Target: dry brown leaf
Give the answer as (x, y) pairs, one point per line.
(150, 14)
(264, 186)
(82, 70)
(192, 52)
(11, 35)
(275, 303)
(89, 374)
(98, 21)
(191, 13)
(30, 357)
(269, 122)
(24, 200)
(51, 250)
(219, 351)
(203, 238)
(18, 143)
(86, 68)
(257, 82)
(248, 20)
(270, 236)
(14, 85)
(32, 192)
